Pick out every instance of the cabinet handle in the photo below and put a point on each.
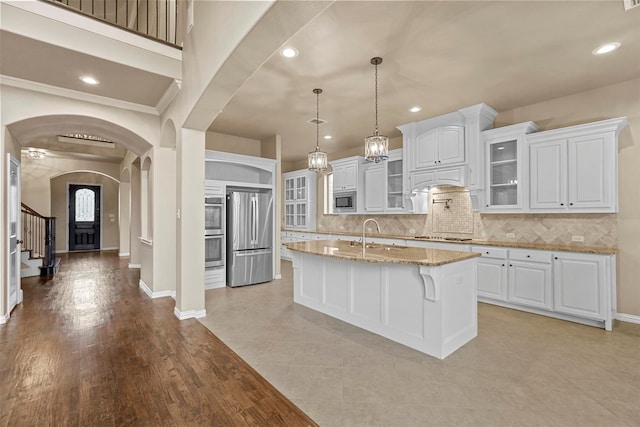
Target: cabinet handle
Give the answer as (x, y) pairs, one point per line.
(510, 265)
(435, 162)
(561, 204)
(555, 257)
(487, 205)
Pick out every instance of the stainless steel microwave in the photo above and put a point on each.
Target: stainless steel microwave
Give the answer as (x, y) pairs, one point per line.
(344, 202)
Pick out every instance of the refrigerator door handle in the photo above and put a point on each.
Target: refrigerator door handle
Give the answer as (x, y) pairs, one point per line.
(252, 253)
(255, 219)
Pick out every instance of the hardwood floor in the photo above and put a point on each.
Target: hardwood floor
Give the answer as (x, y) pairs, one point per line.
(89, 348)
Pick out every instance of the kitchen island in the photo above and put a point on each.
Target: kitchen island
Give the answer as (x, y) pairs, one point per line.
(422, 298)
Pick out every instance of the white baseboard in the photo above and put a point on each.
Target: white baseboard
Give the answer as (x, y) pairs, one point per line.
(278, 277)
(123, 254)
(208, 286)
(134, 265)
(113, 248)
(156, 294)
(4, 318)
(63, 251)
(628, 318)
(189, 314)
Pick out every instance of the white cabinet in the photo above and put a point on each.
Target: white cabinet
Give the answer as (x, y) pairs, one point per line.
(345, 173)
(438, 147)
(445, 176)
(300, 199)
(583, 285)
(521, 277)
(504, 168)
(530, 278)
(383, 189)
(375, 187)
(492, 272)
(575, 169)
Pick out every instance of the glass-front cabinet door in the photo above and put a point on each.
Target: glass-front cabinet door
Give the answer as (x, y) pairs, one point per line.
(300, 199)
(504, 188)
(394, 184)
(503, 173)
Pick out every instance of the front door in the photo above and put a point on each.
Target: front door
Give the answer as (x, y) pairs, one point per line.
(13, 272)
(84, 217)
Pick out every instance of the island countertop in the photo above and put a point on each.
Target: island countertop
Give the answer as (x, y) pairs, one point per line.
(379, 253)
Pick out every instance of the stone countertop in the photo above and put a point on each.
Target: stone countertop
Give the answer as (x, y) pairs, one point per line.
(510, 244)
(378, 253)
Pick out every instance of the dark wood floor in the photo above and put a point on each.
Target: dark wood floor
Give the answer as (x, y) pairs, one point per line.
(89, 348)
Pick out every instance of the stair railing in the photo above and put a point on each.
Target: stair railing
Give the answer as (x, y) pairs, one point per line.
(157, 19)
(39, 236)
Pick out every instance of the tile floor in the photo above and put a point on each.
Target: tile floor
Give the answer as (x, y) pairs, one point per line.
(522, 369)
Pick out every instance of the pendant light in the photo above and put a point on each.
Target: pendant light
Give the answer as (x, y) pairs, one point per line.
(317, 159)
(376, 146)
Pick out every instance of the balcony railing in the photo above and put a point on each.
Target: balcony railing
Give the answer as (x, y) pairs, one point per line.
(155, 19)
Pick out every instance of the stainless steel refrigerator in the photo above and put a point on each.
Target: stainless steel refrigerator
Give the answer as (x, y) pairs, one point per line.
(249, 237)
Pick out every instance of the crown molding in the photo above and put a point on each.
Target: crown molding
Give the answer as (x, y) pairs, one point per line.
(169, 95)
(77, 95)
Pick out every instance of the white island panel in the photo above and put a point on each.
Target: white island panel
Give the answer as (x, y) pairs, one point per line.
(431, 309)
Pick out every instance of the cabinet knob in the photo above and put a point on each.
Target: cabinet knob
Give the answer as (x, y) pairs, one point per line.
(510, 265)
(561, 204)
(571, 204)
(528, 256)
(487, 252)
(487, 205)
(555, 257)
(503, 265)
(435, 162)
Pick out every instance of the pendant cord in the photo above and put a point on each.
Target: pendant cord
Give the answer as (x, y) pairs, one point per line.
(317, 121)
(376, 66)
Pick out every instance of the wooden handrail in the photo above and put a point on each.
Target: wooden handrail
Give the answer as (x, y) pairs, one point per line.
(39, 237)
(29, 210)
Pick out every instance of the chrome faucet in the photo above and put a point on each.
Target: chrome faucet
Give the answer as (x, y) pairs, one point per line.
(364, 229)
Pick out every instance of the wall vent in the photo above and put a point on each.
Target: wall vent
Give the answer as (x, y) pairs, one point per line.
(630, 4)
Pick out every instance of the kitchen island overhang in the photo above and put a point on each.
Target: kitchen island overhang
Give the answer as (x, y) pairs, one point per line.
(422, 298)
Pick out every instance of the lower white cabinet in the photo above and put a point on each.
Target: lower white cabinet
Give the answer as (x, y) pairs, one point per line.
(567, 285)
(581, 285)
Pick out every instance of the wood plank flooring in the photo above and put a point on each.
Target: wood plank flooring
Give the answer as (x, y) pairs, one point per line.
(89, 348)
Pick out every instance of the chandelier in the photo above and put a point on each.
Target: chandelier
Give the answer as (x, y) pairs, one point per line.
(376, 146)
(317, 159)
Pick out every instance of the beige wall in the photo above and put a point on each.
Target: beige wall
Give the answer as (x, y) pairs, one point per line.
(232, 144)
(36, 176)
(59, 198)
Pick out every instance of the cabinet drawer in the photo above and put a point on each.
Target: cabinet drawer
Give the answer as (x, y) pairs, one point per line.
(491, 252)
(530, 255)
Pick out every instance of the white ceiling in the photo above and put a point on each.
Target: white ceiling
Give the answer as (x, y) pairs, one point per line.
(440, 55)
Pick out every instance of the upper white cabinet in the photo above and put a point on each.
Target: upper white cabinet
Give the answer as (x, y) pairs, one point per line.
(445, 150)
(575, 169)
(383, 187)
(437, 147)
(300, 199)
(504, 166)
(345, 173)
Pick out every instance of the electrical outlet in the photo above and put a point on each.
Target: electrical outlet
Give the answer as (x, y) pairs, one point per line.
(577, 238)
(511, 235)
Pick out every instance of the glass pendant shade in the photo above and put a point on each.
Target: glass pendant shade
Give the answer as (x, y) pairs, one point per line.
(376, 146)
(317, 160)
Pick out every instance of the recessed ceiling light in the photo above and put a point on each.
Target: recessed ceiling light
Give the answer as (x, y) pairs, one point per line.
(328, 137)
(415, 109)
(89, 80)
(289, 52)
(606, 48)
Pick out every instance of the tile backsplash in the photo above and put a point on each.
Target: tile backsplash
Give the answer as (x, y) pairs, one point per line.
(459, 220)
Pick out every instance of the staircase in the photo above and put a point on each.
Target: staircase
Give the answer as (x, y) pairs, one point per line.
(38, 256)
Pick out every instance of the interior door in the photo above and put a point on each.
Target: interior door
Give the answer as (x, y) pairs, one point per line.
(84, 217)
(13, 272)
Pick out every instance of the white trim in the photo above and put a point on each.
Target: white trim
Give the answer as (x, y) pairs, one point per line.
(209, 286)
(83, 171)
(134, 265)
(169, 95)
(12, 162)
(189, 314)
(4, 318)
(156, 294)
(77, 95)
(631, 318)
(112, 248)
(123, 254)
